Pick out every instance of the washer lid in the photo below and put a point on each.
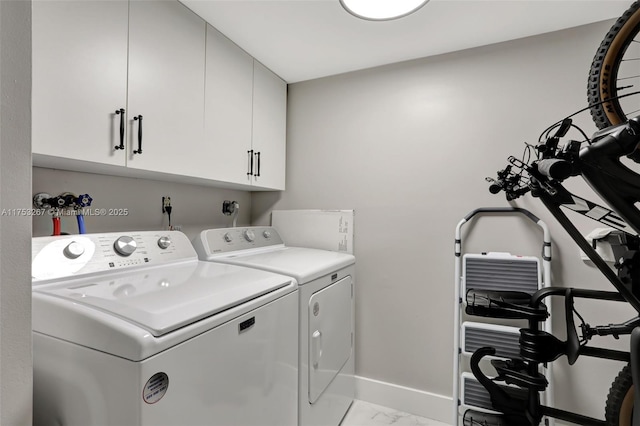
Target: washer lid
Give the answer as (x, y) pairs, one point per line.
(304, 264)
(161, 300)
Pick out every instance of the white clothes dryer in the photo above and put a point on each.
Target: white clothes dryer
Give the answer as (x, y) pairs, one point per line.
(131, 329)
(326, 290)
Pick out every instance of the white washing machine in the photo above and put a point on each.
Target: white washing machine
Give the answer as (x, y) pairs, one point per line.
(326, 284)
(131, 329)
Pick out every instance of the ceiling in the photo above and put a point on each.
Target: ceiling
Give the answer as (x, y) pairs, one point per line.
(306, 39)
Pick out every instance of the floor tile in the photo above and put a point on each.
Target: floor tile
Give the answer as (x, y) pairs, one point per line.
(364, 413)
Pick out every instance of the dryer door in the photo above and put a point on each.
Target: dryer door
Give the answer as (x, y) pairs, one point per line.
(330, 330)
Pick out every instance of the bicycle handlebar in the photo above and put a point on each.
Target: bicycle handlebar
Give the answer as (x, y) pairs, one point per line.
(623, 141)
(555, 168)
(599, 163)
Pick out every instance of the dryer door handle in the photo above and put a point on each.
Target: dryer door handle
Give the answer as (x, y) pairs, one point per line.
(316, 348)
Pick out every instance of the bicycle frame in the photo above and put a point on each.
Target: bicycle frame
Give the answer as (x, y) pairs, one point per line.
(599, 164)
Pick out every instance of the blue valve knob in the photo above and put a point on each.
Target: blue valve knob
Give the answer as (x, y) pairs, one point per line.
(84, 200)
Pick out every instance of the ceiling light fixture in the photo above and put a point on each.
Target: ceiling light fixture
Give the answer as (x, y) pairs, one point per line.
(382, 10)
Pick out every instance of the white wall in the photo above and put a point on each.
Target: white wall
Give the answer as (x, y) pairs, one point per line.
(194, 207)
(15, 241)
(408, 147)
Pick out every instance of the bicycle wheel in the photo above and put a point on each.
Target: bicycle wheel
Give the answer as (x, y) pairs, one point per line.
(615, 71)
(619, 408)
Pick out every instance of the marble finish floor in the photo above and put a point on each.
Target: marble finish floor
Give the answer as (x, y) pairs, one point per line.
(366, 414)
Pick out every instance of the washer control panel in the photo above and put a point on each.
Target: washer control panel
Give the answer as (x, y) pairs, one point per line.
(125, 245)
(77, 255)
(249, 235)
(226, 240)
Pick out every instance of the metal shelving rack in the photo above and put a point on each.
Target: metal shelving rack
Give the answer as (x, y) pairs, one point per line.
(493, 271)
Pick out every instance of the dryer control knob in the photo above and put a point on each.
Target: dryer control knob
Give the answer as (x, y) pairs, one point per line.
(266, 234)
(249, 235)
(74, 250)
(125, 246)
(164, 242)
(227, 237)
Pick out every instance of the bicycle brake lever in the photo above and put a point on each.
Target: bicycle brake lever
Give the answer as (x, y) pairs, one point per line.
(495, 186)
(564, 128)
(517, 163)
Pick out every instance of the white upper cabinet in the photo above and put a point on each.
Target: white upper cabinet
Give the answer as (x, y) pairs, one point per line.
(79, 80)
(245, 116)
(204, 110)
(166, 88)
(269, 128)
(228, 108)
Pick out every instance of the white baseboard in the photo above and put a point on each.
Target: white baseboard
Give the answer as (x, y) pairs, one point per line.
(409, 400)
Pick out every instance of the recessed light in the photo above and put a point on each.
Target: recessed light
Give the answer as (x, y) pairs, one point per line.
(382, 10)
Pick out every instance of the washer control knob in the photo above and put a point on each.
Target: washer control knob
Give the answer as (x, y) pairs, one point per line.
(228, 238)
(125, 246)
(74, 250)
(266, 234)
(164, 242)
(249, 235)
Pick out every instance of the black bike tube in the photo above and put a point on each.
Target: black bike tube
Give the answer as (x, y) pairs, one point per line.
(635, 370)
(602, 353)
(537, 297)
(571, 417)
(573, 232)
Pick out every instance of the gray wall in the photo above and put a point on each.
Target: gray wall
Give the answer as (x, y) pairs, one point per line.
(194, 207)
(408, 147)
(15, 184)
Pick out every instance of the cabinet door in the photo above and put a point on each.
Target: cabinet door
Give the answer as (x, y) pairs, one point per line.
(269, 128)
(79, 79)
(166, 88)
(228, 108)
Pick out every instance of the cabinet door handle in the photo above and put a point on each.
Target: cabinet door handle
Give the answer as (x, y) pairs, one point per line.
(257, 164)
(120, 112)
(139, 150)
(250, 172)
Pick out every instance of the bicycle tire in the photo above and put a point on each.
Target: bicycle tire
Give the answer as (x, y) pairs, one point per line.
(602, 87)
(619, 407)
